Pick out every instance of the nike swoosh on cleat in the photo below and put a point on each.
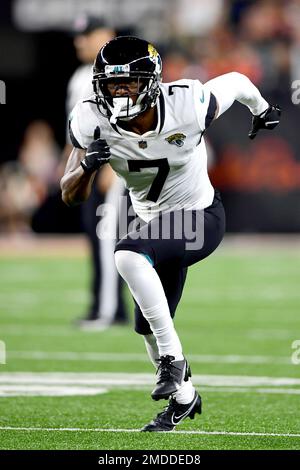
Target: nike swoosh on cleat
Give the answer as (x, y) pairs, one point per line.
(176, 419)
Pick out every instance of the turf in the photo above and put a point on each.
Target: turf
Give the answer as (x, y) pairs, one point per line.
(234, 303)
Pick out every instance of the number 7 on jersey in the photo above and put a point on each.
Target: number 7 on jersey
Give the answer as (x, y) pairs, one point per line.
(163, 170)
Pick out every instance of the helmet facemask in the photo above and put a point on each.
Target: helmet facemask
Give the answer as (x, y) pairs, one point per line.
(125, 107)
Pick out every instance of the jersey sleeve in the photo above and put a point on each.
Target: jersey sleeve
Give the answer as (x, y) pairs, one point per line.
(205, 104)
(82, 124)
(75, 129)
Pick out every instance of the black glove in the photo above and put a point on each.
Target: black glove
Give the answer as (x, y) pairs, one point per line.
(268, 119)
(97, 154)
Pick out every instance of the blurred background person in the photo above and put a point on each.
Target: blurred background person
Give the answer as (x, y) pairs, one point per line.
(39, 154)
(18, 199)
(25, 184)
(107, 304)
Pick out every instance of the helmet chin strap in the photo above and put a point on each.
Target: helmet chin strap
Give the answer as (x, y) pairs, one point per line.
(118, 104)
(123, 104)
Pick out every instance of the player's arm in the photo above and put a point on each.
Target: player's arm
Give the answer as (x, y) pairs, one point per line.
(81, 169)
(76, 184)
(235, 86)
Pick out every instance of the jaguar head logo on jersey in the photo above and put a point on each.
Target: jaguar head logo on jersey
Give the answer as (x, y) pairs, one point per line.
(176, 139)
(129, 61)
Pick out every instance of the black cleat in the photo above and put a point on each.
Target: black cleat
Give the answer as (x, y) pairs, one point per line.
(171, 374)
(173, 414)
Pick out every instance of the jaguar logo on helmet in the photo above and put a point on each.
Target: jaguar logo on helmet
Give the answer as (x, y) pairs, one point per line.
(152, 52)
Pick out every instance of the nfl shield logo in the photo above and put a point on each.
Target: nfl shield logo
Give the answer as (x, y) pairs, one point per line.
(143, 144)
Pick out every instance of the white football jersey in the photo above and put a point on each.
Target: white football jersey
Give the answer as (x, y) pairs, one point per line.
(164, 169)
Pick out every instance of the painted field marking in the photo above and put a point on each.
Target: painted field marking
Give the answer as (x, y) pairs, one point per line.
(129, 357)
(85, 383)
(208, 433)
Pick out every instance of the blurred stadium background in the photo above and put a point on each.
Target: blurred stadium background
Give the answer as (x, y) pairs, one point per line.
(240, 312)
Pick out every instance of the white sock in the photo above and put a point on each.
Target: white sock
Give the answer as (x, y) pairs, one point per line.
(147, 290)
(185, 394)
(152, 349)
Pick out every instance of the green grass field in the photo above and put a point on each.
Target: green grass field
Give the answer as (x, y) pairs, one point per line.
(65, 389)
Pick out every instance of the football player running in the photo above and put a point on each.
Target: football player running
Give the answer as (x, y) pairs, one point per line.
(151, 133)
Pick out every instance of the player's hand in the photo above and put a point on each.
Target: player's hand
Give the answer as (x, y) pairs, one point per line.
(266, 120)
(97, 154)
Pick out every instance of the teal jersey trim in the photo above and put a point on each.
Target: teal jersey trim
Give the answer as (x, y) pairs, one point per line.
(149, 259)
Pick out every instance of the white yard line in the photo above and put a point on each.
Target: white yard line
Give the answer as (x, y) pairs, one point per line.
(261, 334)
(129, 357)
(208, 433)
(116, 379)
(24, 330)
(13, 329)
(7, 391)
(85, 383)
